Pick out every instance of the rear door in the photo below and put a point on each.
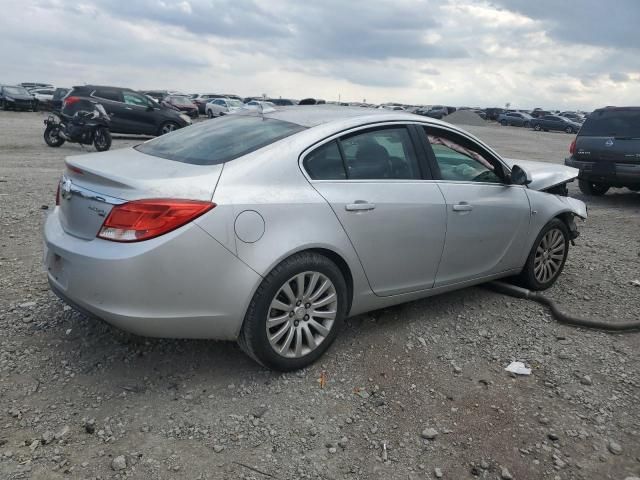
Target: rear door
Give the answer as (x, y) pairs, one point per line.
(111, 100)
(394, 217)
(487, 219)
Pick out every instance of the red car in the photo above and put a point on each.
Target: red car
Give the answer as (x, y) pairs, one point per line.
(181, 103)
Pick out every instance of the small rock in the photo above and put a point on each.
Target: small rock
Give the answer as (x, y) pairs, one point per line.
(333, 450)
(614, 447)
(48, 437)
(119, 463)
(586, 380)
(90, 426)
(505, 474)
(218, 448)
(553, 437)
(342, 443)
(63, 433)
(437, 472)
(457, 370)
(27, 305)
(429, 433)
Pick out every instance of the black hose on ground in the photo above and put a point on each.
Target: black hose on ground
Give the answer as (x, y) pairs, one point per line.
(560, 316)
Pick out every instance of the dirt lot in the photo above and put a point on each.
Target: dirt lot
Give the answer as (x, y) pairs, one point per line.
(79, 399)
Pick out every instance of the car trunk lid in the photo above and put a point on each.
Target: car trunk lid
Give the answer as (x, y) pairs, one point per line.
(94, 183)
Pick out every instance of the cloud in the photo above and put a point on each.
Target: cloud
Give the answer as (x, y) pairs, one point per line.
(569, 54)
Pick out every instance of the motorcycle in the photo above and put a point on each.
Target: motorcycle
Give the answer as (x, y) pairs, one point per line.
(83, 127)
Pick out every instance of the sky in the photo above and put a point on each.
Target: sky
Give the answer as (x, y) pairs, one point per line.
(565, 54)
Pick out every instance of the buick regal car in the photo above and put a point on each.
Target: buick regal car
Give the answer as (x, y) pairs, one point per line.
(271, 228)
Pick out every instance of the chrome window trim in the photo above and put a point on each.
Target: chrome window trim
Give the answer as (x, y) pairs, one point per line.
(367, 126)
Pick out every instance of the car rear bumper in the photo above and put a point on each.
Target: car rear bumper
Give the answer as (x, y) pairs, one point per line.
(612, 173)
(181, 285)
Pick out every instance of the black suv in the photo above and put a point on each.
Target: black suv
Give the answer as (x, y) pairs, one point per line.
(130, 111)
(607, 150)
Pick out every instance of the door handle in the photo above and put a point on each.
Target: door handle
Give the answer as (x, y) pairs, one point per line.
(359, 206)
(462, 207)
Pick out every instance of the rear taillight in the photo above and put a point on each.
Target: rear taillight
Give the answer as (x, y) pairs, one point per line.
(572, 147)
(70, 101)
(144, 219)
(58, 195)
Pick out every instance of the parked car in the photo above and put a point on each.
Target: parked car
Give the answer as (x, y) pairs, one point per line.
(130, 111)
(58, 94)
(516, 119)
(435, 111)
(260, 228)
(539, 113)
(282, 102)
(607, 150)
(16, 98)
(30, 85)
(221, 106)
(182, 104)
(555, 122)
(43, 96)
(157, 95)
(261, 105)
(201, 100)
(312, 101)
(493, 113)
(573, 116)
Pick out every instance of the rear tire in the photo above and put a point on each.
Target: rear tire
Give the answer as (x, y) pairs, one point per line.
(547, 257)
(503, 123)
(569, 129)
(102, 139)
(52, 137)
(282, 329)
(591, 188)
(537, 127)
(5, 107)
(209, 114)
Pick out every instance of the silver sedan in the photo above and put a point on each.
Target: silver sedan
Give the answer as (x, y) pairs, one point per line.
(271, 228)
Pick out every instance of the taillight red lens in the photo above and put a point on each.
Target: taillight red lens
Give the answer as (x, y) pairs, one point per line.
(144, 219)
(572, 147)
(70, 101)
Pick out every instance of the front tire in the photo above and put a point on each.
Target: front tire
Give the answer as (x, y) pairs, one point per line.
(547, 257)
(537, 127)
(296, 313)
(209, 114)
(569, 129)
(167, 127)
(102, 139)
(594, 189)
(52, 136)
(503, 123)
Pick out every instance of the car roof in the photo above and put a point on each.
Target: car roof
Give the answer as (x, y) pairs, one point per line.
(314, 115)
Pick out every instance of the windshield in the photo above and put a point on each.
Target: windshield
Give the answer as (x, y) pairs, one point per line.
(235, 103)
(181, 101)
(16, 90)
(612, 123)
(212, 143)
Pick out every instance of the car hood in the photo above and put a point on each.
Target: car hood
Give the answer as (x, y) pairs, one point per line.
(545, 175)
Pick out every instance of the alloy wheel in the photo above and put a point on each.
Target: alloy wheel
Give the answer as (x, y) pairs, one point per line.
(549, 255)
(302, 314)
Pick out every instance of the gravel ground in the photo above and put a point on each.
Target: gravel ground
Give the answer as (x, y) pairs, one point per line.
(417, 391)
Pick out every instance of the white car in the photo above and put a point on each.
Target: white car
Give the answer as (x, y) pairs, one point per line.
(43, 96)
(221, 106)
(255, 105)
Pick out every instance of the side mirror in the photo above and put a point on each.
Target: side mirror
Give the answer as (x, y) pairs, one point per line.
(519, 176)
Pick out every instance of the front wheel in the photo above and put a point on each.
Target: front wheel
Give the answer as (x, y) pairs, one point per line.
(167, 127)
(296, 312)
(591, 188)
(537, 127)
(503, 123)
(547, 257)
(568, 130)
(209, 114)
(102, 139)
(5, 107)
(52, 136)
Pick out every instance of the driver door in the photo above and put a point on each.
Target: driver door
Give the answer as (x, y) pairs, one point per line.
(139, 112)
(487, 219)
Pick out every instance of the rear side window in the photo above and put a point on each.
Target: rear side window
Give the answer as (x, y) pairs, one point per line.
(612, 123)
(212, 143)
(325, 163)
(113, 95)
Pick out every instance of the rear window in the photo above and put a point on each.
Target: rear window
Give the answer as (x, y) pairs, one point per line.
(218, 141)
(612, 123)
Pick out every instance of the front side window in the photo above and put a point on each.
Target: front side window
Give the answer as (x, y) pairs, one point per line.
(131, 98)
(212, 143)
(460, 160)
(385, 153)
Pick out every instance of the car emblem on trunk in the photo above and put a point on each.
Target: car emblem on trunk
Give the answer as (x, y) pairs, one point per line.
(65, 188)
(609, 142)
